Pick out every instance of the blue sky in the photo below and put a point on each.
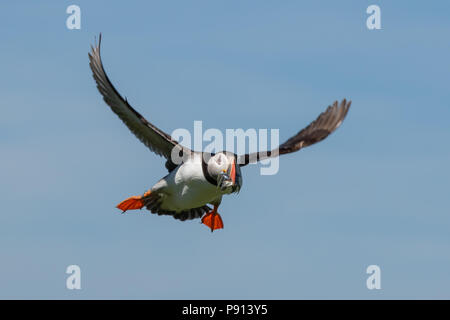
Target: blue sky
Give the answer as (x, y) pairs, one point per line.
(375, 192)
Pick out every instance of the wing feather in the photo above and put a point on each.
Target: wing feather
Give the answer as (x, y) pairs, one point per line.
(155, 139)
(327, 122)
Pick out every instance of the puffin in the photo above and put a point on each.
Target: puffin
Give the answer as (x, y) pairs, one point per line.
(197, 180)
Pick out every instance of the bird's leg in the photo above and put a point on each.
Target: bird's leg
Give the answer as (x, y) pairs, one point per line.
(134, 202)
(213, 220)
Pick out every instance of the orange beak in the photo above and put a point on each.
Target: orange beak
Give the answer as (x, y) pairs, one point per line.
(233, 172)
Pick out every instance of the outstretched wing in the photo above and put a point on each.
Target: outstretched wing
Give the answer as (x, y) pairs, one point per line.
(319, 129)
(155, 139)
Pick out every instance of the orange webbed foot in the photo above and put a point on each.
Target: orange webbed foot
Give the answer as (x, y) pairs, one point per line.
(133, 203)
(213, 220)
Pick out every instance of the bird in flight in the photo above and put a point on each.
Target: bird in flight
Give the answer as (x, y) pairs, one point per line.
(199, 179)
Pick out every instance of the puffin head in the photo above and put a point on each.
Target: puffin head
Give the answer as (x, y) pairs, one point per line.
(224, 169)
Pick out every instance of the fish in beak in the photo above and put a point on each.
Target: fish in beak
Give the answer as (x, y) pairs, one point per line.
(230, 179)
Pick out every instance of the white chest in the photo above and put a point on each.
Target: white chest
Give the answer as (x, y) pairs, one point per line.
(186, 188)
